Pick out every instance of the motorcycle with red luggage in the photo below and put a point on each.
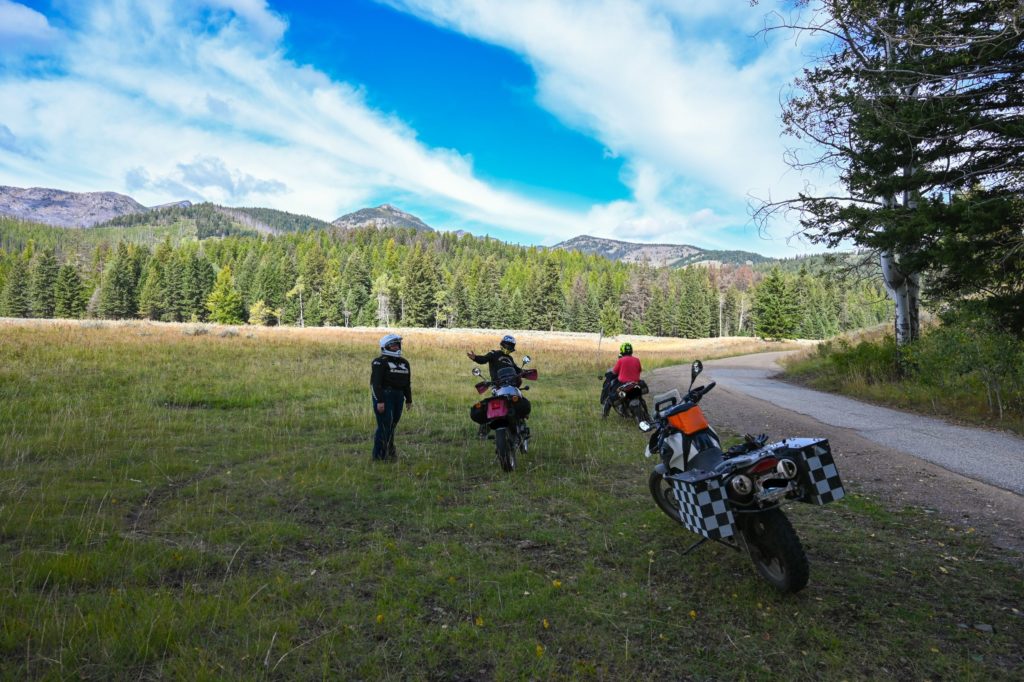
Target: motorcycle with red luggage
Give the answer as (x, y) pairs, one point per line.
(505, 412)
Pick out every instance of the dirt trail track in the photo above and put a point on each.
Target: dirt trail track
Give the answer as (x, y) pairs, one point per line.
(882, 452)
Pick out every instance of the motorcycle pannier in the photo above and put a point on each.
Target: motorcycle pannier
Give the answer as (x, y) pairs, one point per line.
(689, 420)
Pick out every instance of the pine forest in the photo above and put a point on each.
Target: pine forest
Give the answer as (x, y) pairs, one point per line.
(197, 264)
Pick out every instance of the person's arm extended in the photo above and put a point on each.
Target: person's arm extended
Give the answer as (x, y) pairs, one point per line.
(478, 359)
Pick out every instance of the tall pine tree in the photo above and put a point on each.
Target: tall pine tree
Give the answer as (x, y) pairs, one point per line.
(69, 294)
(225, 301)
(43, 283)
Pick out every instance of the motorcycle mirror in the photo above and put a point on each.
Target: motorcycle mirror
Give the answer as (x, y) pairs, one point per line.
(476, 371)
(526, 359)
(645, 426)
(696, 368)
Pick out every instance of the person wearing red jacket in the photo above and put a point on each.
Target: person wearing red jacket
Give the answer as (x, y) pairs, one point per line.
(628, 368)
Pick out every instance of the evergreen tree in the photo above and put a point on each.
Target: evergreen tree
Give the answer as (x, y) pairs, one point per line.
(419, 285)
(611, 319)
(550, 299)
(153, 293)
(69, 294)
(43, 283)
(225, 301)
(118, 298)
(16, 299)
(775, 308)
(197, 284)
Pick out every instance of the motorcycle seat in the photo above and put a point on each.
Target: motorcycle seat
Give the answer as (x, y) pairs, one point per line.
(707, 459)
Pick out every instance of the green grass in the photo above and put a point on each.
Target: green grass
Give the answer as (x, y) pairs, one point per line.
(205, 507)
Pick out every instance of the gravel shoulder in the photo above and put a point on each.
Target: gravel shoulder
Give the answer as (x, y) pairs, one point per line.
(974, 479)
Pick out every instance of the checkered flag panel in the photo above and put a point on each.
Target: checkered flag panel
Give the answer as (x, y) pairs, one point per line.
(703, 506)
(820, 476)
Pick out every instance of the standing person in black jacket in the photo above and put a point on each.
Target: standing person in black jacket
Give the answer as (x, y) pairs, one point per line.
(496, 359)
(390, 388)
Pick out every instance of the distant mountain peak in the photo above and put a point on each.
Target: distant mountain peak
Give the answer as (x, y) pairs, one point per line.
(384, 215)
(65, 209)
(657, 255)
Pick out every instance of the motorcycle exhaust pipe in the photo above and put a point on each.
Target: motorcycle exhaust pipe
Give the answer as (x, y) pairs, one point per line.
(742, 485)
(786, 468)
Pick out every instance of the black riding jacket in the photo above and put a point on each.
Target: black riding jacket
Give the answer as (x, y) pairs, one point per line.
(495, 360)
(388, 372)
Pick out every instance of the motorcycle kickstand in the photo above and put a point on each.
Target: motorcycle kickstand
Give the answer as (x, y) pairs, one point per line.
(694, 546)
(730, 545)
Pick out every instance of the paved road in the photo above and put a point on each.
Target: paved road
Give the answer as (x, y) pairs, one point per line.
(993, 457)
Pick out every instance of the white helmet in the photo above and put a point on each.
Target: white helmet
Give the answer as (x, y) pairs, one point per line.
(391, 340)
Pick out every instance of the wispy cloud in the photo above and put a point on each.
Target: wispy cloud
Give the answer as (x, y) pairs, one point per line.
(195, 99)
(148, 98)
(673, 88)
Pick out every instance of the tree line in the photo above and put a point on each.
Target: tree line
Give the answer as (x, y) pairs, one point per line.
(401, 277)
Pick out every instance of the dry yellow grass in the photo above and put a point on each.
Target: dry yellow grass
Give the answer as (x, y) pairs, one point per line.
(657, 349)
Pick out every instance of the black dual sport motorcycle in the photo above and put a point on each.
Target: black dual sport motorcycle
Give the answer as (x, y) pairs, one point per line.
(505, 412)
(627, 398)
(734, 497)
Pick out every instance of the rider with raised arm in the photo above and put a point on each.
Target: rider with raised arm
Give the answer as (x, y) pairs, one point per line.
(496, 359)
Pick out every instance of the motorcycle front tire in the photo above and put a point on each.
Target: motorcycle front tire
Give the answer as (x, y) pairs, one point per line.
(775, 550)
(505, 448)
(661, 491)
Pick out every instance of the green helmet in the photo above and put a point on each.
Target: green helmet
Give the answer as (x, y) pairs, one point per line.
(626, 349)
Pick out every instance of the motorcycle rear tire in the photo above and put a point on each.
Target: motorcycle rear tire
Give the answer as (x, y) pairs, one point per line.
(661, 491)
(775, 550)
(506, 449)
(640, 412)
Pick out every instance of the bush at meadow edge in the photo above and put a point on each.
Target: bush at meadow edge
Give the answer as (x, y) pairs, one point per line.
(964, 368)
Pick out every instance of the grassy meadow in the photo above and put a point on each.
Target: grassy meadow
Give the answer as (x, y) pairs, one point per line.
(199, 502)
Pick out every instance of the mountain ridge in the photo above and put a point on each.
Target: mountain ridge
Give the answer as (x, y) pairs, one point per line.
(657, 255)
(62, 208)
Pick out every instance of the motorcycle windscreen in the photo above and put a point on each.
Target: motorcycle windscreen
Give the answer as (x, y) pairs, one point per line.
(703, 505)
(497, 409)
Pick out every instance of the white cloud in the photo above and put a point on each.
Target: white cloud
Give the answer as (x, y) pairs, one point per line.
(22, 27)
(658, 83)
(163, 111)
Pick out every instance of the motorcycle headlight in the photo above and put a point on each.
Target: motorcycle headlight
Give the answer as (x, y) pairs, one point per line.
(741, 485)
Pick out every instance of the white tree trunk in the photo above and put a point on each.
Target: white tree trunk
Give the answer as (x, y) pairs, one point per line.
(905, 290)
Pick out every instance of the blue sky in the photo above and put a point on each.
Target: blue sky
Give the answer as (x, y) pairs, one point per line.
(533, 121)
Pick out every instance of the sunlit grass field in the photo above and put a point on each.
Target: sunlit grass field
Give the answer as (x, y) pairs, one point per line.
(198, 502)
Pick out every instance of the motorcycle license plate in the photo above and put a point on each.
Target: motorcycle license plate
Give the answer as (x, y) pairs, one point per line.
(497, 408)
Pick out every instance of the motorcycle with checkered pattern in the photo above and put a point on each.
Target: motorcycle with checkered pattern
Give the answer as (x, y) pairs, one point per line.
(503, 415)
(735, 496)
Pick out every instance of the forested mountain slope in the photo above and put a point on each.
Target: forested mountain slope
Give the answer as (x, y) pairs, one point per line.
(197, 263)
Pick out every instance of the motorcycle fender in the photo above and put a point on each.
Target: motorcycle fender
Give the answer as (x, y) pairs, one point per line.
(661, 470)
